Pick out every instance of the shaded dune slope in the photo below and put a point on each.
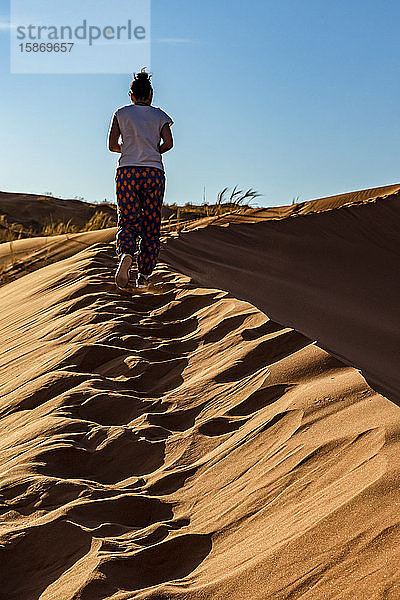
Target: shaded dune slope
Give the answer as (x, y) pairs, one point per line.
(180, 444)
(333, 276)
(33, 210)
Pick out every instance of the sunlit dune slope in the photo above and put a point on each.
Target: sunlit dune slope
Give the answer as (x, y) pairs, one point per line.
(29, 254)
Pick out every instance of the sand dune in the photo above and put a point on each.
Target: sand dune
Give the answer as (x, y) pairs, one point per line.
(181, 444)
(33, 210)
(328, 203)
(319, 205)
(29, 254)
(331, 276)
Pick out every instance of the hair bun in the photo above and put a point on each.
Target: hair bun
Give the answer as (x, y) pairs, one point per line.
(141, 85)
(142, 76)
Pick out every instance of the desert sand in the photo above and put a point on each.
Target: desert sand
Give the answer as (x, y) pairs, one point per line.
(232, 433)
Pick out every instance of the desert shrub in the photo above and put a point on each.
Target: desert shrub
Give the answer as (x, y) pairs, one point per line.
(100, 220)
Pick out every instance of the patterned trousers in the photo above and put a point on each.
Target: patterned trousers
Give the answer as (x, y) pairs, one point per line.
(140, 193)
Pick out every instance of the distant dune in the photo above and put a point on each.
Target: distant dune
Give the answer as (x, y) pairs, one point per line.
(33, 210)
(181, 444)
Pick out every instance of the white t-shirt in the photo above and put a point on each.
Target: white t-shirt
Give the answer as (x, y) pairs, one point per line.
(140, 128)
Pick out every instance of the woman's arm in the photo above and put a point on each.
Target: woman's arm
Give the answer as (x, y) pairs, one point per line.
(113, 136)
(166, 136)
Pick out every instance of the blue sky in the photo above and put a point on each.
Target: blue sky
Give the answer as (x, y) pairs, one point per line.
(290, 98)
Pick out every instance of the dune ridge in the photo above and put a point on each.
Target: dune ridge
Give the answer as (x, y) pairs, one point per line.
(328, 203)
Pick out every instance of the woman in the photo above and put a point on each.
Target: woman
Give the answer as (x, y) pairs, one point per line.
(140, 179)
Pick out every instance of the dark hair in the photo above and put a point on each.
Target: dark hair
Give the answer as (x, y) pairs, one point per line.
(141, 85)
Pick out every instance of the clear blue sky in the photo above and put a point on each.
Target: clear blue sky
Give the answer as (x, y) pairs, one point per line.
(290, 98)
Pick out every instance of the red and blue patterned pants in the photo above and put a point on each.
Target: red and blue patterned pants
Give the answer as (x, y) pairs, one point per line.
(140, 193)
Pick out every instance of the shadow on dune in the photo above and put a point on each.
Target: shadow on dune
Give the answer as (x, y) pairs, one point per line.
(42, 553)
(331, 276)
(178, 556)
(122, 457)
